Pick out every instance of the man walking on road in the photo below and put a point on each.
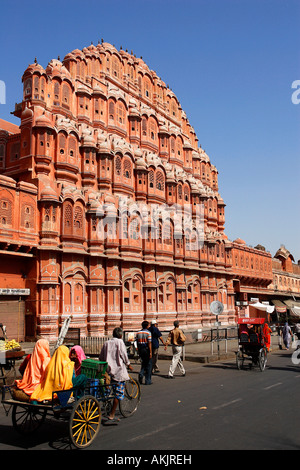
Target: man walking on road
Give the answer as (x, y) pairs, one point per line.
(144, 344)
(177, 339)
(156, 336)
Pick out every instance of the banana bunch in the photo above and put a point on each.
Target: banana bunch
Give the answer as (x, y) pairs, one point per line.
(12, 344)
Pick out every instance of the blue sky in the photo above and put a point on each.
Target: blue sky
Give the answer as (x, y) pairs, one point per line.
(231, 64)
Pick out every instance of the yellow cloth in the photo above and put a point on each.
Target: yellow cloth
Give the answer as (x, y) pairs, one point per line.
(58, 375)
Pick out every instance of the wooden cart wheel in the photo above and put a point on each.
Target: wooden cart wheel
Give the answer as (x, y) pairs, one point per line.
(85, 421)
(27, 419)
(239, 360)
(132, 398)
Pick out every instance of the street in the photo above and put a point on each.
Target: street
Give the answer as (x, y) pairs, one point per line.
(214, 407)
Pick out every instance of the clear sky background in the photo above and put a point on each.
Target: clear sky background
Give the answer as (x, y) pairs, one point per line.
(231, 64)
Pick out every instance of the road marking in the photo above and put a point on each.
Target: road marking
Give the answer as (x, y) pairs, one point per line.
(271, 386)
(226, 404)
(153, 432)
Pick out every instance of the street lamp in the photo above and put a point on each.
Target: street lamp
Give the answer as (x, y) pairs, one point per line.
(217, 308)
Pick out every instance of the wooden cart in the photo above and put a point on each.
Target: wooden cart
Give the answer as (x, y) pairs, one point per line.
(8, 370)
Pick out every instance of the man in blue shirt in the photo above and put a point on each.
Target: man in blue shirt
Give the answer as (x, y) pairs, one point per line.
(156, 336)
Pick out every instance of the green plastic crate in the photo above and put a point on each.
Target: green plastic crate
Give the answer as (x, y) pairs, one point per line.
(93, 369)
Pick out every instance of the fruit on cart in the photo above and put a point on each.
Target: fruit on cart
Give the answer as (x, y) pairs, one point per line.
(12, 344)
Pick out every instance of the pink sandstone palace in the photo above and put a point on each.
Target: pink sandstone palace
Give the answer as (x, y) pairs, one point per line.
(94, 185)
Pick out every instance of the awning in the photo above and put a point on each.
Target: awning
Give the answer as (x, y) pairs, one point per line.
(291, 303)
(264, 307)
(294, 308)
(280, 307)
(295, 311)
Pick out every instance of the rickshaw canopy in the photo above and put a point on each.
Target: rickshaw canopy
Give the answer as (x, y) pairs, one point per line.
(251, 321)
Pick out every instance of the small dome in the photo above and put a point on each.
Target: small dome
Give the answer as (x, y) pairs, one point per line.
(140, 163)
(240, 241)
(43, 121)
(35, 67)
(88, 140)
(27, 113)
(48, 194)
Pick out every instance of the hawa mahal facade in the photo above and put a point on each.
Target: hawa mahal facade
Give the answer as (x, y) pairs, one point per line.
(94, 186)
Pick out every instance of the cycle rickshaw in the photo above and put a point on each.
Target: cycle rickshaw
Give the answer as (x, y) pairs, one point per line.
(251, 343)
(82, 408)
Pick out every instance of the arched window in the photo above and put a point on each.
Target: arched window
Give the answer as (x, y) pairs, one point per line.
(124, 222)
(43, 87)
(68, 218)
(180, 192)
(170, 294)
(148, 88)
(27, 88)
(115, 67)
(168, 234)
(144, 127)
(172, 146)
(151, 179)
(66, 96)
(118, 165)
(111, 110)
(121, 113)
(153, 130)
(78, 221)
(173, 109)
(186, 194)
(72, 147)
(134, 229)
(67, 297)
(160, 233)
(62, 144)
(160, 181)
(179, 148)
(36, 88)
(127, 169)
(194, 241)
(56, 96)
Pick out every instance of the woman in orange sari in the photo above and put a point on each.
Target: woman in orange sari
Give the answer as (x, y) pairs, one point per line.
(34, 372)
(267, 336)
(58, 375)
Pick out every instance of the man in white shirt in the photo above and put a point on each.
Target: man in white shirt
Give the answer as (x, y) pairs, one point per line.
(114, 353)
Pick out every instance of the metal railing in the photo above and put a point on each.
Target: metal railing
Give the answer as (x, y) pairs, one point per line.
(92, 345)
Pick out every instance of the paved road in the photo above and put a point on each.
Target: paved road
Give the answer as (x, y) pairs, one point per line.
(214, 407)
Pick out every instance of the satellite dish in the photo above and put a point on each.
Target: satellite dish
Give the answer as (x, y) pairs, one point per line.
(216, 307)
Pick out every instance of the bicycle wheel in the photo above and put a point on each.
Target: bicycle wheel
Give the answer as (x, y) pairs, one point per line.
(132, 398)
(239, 360)
(27, 419)
(85, 421)
(262, 359)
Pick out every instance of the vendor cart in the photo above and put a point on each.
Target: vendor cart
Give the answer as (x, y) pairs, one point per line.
(8, 372)
(8, 360)
(83, 408)
(251, 343)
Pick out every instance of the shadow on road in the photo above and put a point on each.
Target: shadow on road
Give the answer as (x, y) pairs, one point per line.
(52, 434)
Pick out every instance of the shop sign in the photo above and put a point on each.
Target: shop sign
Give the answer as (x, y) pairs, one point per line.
(14, 291)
